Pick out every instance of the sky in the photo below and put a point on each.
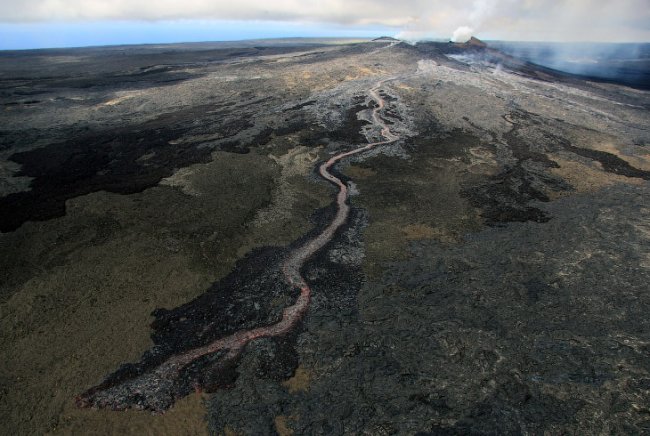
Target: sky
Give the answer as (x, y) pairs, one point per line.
(69, 23)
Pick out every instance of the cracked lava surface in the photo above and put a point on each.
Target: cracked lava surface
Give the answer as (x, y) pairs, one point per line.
(142, 391)
(165, 229)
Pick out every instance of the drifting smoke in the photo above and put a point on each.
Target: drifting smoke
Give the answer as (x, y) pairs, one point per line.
(624, 63)
(462, 34)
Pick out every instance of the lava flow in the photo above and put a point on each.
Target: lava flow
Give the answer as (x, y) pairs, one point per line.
(154, 390)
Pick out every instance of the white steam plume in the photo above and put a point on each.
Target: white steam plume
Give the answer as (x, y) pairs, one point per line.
(462, 34)
(482, 10)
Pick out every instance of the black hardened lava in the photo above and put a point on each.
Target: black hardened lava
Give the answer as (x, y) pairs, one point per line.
(198, 345)
(130, 159)
(243, 299)
(252, 295)
(111, 160)
(509, 195)
(611, 163)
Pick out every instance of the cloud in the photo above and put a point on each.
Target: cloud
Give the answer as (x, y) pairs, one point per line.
(560, 20)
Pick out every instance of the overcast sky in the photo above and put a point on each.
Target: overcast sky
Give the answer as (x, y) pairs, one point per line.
(78, 22)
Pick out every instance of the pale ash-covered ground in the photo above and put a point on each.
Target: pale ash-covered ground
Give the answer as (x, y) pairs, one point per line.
(493, 279)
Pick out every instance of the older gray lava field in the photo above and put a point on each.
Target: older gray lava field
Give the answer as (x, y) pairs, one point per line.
(491, 276)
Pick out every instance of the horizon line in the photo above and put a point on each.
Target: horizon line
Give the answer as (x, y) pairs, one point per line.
(315, 38)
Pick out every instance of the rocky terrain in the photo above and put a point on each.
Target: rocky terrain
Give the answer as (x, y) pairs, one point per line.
(491, 276)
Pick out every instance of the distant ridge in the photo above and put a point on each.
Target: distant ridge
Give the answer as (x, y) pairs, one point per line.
(386, 38)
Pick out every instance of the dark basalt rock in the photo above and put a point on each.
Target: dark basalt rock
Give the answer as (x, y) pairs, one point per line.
(529, 320)
(245, 299)
(108, 160)
(610, 162)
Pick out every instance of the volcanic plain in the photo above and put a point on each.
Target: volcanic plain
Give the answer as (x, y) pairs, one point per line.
(489, 276)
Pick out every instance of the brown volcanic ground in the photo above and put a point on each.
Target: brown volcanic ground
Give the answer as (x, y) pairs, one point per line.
(492, 278)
